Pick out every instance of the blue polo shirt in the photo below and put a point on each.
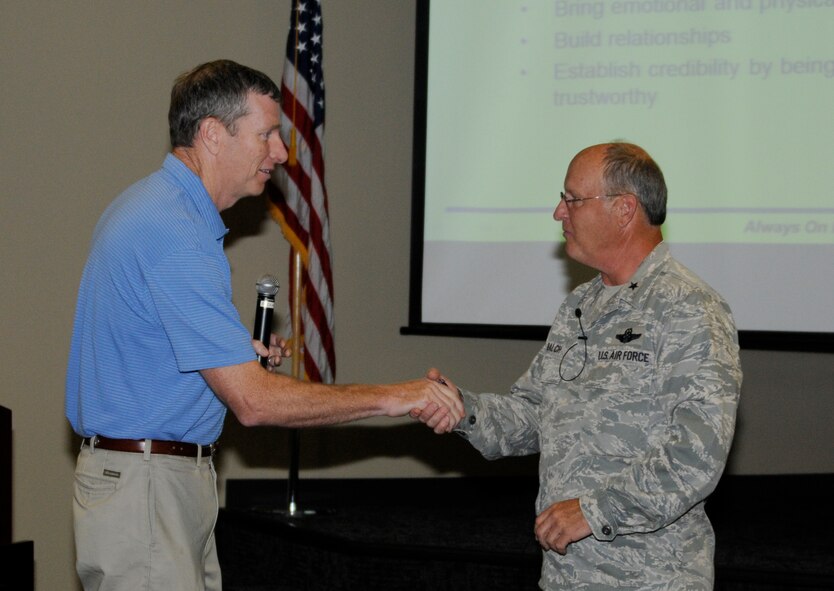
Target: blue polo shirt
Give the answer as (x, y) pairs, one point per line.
(154, 307)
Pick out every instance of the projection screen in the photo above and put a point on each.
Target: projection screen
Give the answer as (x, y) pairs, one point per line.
(733, 98)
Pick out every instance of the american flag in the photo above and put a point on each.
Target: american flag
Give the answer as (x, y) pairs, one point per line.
(302, 210)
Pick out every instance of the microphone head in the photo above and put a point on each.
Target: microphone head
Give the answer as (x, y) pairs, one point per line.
(578, 313)
(267, 285)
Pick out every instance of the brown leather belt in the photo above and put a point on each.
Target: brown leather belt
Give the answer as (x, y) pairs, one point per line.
(171, 448)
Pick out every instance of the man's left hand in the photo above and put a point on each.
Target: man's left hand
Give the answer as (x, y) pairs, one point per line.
(561, 524)
(276, 353)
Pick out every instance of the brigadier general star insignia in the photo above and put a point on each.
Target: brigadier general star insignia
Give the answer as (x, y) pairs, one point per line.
(628, 336)
(632, 286)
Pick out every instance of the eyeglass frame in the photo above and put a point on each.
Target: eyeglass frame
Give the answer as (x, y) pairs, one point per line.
(573, 200)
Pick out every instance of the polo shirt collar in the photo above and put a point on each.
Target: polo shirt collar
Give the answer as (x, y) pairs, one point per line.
(196, 191)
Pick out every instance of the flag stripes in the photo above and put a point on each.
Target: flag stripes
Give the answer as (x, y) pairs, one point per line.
(302, 207)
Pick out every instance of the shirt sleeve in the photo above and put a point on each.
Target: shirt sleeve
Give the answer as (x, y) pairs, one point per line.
(500, 425)
(700, 379)
(191, 290)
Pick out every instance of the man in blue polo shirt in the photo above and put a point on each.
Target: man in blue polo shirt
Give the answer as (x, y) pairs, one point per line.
(159, 353)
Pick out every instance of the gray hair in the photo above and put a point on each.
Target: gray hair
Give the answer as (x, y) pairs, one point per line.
(215, 89)
(629, 169)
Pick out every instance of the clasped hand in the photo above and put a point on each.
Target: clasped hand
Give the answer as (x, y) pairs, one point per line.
(441, 418)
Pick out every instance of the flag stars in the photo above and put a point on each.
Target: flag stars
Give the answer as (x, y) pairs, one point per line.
(305, 43)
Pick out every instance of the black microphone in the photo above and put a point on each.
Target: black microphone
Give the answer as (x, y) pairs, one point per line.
(584, 338)
(578, 314)
(267, 288)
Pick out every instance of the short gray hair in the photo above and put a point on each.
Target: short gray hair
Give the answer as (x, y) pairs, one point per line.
(628, 168)
(215, 89)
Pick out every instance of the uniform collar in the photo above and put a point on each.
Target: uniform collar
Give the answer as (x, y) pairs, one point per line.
(633, 291)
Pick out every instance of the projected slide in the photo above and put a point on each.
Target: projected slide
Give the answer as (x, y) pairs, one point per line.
(733, 98)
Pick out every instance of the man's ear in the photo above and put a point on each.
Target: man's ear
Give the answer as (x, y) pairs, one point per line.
(627, 207)
(210, 133)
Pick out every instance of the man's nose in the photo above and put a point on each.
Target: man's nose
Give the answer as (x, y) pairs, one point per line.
(561, 211)
(277, 149)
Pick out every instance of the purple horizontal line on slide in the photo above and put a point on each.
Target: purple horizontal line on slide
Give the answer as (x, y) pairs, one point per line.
(690, 210)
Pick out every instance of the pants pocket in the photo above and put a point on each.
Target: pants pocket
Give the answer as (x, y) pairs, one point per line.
(90, 490)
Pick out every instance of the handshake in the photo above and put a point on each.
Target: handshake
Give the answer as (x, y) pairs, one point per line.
(433, 400)
(444, 408)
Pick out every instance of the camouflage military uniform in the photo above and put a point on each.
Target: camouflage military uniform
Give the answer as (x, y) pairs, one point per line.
(637, 428)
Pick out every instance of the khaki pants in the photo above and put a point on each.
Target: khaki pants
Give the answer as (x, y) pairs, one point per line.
(145, 522)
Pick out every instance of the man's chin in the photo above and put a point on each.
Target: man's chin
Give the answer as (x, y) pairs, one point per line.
(573, 252)
(257, 187)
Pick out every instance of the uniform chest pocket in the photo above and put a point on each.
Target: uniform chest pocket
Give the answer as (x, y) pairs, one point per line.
(624, 355)
(561, 362)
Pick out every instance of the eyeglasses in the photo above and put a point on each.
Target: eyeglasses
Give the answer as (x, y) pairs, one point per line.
(572, 201)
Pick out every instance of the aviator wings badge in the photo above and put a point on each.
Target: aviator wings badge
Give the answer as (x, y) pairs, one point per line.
(627, 336)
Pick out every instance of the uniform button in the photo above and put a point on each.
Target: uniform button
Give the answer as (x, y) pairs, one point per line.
(472, 419)
(606, 530)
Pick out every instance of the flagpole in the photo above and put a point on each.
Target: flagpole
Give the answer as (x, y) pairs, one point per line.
(304, 198)
(292, 481)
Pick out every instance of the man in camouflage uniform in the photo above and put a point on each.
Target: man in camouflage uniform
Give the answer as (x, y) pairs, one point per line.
(631, 402)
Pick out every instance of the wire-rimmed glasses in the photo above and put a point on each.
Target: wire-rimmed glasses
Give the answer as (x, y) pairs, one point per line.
(572, 201)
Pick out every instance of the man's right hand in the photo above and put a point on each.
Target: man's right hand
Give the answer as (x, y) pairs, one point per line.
(440, 416)
(257, 397)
